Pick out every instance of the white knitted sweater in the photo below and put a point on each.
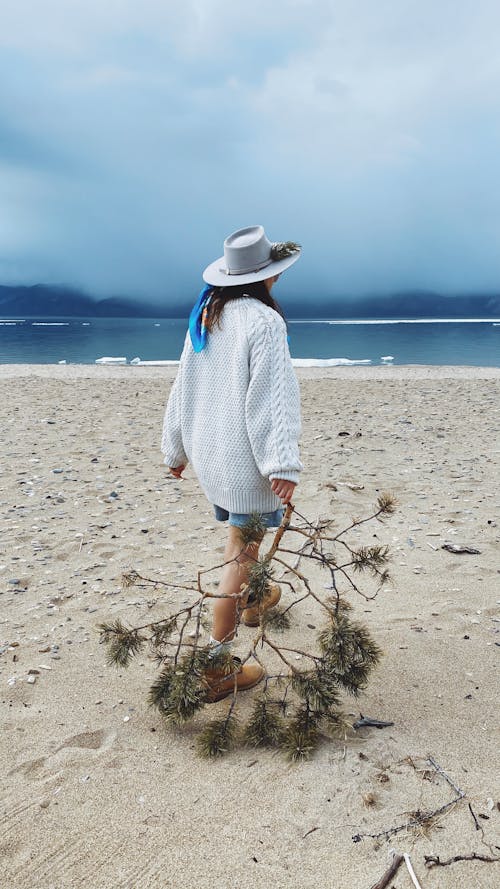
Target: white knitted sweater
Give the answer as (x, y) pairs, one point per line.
(234, 410)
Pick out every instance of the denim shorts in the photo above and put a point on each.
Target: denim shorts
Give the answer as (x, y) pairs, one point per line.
(238, 519)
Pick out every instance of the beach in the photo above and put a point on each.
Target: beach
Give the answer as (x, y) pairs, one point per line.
(97, 790)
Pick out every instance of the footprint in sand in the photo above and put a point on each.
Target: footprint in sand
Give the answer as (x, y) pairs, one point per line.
(96, 740)
(44, 768)
(33, 768)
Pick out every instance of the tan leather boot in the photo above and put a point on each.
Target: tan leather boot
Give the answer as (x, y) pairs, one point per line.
(221, 683)
(251, 615)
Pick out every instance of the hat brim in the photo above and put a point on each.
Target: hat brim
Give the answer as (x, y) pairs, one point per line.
(216, 274)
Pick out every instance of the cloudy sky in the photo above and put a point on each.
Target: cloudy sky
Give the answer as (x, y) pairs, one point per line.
(136, 134)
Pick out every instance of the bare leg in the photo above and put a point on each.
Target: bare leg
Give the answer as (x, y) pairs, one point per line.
(234, 573)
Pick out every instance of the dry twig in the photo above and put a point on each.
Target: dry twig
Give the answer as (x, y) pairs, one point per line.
(420, 818)
(435, 861)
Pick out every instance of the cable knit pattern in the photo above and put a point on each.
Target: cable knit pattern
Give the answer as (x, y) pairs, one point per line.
(234, 410)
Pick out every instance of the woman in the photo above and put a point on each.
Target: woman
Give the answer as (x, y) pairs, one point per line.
(234, 413)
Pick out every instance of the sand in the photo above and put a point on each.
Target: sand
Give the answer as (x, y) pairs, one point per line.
(96, 790)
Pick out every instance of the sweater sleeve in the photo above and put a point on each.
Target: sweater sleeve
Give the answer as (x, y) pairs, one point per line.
(273, 402)
(171, 441)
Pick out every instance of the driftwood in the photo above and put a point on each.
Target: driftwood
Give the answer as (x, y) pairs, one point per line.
(389, 874)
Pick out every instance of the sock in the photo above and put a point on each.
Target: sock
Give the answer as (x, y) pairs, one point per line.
(217, 648)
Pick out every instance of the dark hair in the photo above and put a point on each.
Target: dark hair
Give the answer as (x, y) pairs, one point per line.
(222, 295)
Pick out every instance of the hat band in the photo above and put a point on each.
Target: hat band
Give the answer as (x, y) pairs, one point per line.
(254, 268)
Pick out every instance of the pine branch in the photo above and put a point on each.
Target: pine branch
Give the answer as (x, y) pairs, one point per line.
(303, 579)
(371, 557)
(318, 688)
(160, 690)
(182, 689)
(253, 530)
(294, 603)
(302, 735)
(342, 660)
(259, 577)
(122, 642)
(265, 727)
(265, 639)
(386, 506)
(218, 737)
(283, 528)
(349, 651)
(161, 632)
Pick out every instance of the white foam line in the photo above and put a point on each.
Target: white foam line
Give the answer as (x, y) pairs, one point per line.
(166, 363)
(328, 362)
(50, 323)
(403, 321)
(297, 362)
(12, 320)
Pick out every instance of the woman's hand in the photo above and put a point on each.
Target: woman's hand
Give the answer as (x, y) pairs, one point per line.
(283, 489)
(177, 470)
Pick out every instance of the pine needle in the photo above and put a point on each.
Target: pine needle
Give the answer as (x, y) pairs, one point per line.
(302, 735)
(283, 249)
(184, 690)
(122, 642)
(265, 727)
(161, 632)
(253, 530)
(370, 557)
(337, 724)
(387, 503)
(349, 652)
(318, 688)
(218, 737)
(159, 692)
(129, 578)
(259, 577)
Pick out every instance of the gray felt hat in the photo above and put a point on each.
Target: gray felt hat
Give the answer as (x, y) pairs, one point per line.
(249, 256)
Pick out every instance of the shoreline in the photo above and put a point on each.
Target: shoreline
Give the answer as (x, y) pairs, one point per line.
(168, 372)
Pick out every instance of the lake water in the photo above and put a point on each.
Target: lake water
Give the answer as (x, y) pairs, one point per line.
(83, 340)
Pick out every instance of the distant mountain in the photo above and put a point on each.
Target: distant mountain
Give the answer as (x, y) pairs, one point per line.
(408, 304)
(42, 301)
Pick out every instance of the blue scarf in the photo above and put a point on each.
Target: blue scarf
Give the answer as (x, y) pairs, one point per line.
(197, 329)
(197, 318)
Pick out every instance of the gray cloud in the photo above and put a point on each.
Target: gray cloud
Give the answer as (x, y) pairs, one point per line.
(131, 143)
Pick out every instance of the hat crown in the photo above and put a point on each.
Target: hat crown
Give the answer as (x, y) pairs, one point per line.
(250, 257)
(247, 250)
